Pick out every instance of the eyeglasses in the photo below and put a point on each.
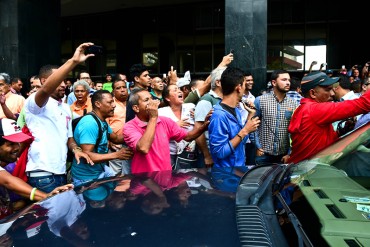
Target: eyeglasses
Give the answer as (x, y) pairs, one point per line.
(85, 78)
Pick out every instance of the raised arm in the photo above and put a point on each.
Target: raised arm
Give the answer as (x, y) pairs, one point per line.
(56, 78)
(226, 60)
(7, 112)
(145, 142)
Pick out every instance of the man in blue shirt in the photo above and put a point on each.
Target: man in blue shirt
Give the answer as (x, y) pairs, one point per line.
(86, 135)
(227, 135)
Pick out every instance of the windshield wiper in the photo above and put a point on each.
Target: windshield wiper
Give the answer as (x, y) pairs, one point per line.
(303, 239)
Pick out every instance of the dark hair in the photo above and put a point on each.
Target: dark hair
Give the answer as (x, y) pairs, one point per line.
(2, 141)
(82, 71)
(247, 73)
(137, 70)
(96, 82)
(46, 70)
(165, 94)
(98, 96)
(117, 80)
(15, 80)
(275, 74)
(230, 78)
(118, 76)
(344, 82)
(295, 83)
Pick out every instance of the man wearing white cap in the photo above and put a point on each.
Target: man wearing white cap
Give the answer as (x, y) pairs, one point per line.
(10, 138)
(184, 84)
(311, 126)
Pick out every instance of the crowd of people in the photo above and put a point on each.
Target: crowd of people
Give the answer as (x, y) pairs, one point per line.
(136, 123)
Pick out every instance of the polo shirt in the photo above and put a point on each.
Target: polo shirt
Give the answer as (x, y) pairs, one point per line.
(158, 157)
(51, 126)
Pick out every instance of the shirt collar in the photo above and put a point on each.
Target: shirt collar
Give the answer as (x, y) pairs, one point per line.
(143, 124)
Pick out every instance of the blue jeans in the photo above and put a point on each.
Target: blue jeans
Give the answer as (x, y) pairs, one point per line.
(47, 183)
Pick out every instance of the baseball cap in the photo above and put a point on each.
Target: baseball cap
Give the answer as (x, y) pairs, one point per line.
(10, 131)
(184, 80)
(317, 78)
(329, 71)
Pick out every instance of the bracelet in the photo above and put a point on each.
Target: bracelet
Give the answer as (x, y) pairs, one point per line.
(241, 138)
(76, 148)
(32, 195)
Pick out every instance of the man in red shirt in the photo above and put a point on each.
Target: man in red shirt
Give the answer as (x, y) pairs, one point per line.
(311, 126)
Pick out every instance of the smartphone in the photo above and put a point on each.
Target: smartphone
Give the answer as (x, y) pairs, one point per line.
(232, 51)
(94, 49)
(343, 66)
(246, 103)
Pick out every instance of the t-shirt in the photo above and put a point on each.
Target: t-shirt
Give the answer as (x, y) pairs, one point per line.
(158, 157)
(87, 132)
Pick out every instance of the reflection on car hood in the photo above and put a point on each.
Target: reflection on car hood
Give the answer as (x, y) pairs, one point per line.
(158, 209)
(345, 145)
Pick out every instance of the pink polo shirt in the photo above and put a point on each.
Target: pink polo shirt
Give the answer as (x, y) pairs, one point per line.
(158, 157)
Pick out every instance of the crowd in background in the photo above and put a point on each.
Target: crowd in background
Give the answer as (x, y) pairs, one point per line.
(72, 131)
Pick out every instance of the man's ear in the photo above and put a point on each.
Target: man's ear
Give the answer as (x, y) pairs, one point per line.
(135, 108)
(218, 83)
(97, 104)
(273, 83)
(238, 88)
(312, 93)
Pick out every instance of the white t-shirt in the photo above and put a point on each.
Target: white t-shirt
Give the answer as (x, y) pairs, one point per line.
(167, 112)
(51, 126)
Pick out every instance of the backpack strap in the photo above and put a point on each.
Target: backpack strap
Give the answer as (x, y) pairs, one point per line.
(100, 136)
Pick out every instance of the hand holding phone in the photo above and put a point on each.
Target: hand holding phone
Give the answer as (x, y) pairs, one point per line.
(246, 104)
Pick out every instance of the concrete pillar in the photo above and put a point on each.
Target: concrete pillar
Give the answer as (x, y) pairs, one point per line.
(246, 33)
(29, 36)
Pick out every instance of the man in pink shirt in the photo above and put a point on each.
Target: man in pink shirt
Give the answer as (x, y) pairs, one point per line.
(149, 135)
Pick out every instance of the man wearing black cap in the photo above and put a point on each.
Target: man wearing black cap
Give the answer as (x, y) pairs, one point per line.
(311, 126)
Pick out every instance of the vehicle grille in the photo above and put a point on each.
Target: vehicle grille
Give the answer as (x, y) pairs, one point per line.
(251, 226)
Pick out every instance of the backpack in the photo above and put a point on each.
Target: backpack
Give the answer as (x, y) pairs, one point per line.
(75, 121)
